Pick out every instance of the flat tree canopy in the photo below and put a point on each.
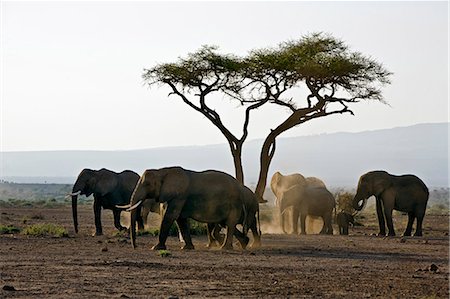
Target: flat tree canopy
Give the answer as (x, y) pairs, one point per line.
(333, 76)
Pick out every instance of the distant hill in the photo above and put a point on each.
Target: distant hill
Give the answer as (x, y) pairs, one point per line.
(338, 158)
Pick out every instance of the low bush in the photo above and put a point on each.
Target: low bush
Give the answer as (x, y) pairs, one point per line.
(8, 229)
(45, 230)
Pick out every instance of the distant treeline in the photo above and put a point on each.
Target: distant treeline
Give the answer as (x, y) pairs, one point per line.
(57, 192)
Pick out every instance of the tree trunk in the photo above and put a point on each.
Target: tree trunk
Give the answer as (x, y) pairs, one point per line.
(266, 156)
(237, 159)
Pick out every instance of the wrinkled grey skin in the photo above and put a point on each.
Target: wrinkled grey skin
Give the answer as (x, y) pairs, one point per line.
(109, 189)
(405, 193)
(250, 215)
(318, 202)
(343, 220)
(208, 196)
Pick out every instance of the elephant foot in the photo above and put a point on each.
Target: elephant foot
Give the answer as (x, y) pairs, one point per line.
(211, 244)
(406, 234)
(255, 244)
(418, 234)
(159, 247)
(244, 242)
(227, 247)
(391, 234)
(97, 233)
(121, 228)
(188, 247)
(381, 234)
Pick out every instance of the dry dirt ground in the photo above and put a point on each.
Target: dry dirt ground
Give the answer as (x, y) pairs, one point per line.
(312, 266)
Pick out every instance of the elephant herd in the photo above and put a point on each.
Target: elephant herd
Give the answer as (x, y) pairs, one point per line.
(218, 199)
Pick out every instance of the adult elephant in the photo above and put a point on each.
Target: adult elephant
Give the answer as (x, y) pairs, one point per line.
(249, 220)
(309, 201)
(109, 189)
(405, 193)
(281, 183)
(209, 196)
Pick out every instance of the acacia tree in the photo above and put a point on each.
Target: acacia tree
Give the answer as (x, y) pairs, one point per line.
(333, 76)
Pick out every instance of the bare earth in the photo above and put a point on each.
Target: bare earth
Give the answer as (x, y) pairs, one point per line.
(312, 266)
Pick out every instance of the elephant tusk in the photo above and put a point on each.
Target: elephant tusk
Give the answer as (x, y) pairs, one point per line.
(73, 194)
(124, 207)
(134, 206)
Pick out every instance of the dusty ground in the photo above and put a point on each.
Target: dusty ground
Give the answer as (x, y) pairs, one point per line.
(313, 266)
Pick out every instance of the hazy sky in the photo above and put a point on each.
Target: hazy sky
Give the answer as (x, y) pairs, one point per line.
(71, 71)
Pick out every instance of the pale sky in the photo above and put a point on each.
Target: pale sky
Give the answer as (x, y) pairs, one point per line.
(71, 71)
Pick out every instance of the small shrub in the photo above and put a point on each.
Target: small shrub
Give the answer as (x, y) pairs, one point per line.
(344, 202)
(164, 253)
(197, 228)
(44, 230)
(8, 229)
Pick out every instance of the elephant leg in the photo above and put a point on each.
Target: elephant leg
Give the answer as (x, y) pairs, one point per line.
(139, 220)
(302, 223)
(231, 227)
(97, 218)
(212, 241)
(380, 216)
(389, 222)
(145, 212)
(183, 225)
(256, 236)
(327, 224)
(116, 214)
(295, 215)
(420, 214)
(282, 220)
(345, 230)
(408, 230)
(172, 213)
(242, 238)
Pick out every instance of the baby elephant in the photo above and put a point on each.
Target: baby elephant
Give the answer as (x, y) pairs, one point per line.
(343, 220)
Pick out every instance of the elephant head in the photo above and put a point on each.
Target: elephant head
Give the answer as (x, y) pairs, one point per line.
(159, 185)
(89, 182)
(281, 183)
(291, 197)
(371, 183)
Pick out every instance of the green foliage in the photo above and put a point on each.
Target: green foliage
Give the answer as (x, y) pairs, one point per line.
(197, 229)
(164, 253)
(344, 202)
(8, 229)
(45, 230)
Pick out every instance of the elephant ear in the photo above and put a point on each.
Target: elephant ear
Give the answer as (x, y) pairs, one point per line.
(380, 183)
(174, 183)
(107, 182)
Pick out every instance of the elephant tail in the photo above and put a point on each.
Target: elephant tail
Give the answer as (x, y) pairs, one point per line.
(245, 220)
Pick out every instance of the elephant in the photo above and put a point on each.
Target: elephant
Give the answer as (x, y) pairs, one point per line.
(343, 220)
(208, 196)
(280, 183)
(150, 205)
(250, 215)
(404, 193)
(313, 201)
(109, 189)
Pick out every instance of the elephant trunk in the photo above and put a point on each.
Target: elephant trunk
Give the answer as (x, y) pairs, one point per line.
(358, 203)
(133, 218)
(75, 212)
